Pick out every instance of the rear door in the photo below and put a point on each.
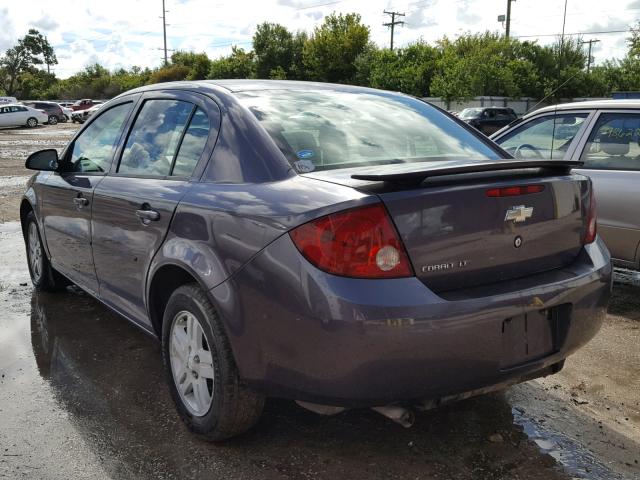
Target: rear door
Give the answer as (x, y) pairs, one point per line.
(134, 205)
(67, 195)
(611, 154)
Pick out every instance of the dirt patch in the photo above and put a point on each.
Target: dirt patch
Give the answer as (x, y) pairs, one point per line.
(16, 144)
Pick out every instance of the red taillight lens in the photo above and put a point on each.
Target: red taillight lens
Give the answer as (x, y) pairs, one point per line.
(592, 220)
(361, 242)
(514, 191)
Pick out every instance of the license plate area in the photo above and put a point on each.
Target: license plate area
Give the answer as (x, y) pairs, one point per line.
(533, 336)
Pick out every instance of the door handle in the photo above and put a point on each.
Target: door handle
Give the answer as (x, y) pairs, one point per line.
(147, 216)
(81, 202)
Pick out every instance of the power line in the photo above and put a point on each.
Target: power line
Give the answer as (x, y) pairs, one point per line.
(393, 22)
(603, 32)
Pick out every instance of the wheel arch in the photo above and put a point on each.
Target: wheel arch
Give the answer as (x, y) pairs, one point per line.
(163, 281)
(25, 208)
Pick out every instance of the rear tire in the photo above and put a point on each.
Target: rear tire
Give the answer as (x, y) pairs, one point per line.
(32, 122)
(198, 360)
(43, 276)
(53, 120)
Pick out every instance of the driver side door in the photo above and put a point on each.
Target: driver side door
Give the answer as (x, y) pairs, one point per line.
(67, 195)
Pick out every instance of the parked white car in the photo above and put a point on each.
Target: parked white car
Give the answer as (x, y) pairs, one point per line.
(67, 111)
(15, 115)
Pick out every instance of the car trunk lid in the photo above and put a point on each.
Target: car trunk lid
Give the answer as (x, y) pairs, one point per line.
(460, 232)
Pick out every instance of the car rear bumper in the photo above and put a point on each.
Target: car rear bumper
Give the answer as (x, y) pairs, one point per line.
(300, 333)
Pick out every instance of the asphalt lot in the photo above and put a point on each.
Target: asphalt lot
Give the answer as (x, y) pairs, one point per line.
(82, 396)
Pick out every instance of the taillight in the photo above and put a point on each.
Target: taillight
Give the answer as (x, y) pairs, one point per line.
(514, 191)
(592, 221)
(361, 242)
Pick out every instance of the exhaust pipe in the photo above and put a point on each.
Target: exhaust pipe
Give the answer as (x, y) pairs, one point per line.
(401, 415)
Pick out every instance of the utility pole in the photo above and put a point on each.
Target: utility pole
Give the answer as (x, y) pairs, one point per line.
(508, 27)
(393, 22)
(164, 33)
(590, 42)
(564, 21)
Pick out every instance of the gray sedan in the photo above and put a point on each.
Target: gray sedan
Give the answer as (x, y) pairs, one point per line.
(334, 245)
(605, 135)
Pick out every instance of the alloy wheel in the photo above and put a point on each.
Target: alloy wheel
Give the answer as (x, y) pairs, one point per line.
(191, 363)
(53, 120)
(35, 252)
(32, 122)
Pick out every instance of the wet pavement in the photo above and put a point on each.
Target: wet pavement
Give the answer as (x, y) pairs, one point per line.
(82, 395)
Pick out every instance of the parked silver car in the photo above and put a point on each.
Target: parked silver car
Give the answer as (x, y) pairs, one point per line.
(605, 135)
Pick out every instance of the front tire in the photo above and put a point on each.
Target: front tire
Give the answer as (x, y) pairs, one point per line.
(53, 120)
(43, 275)
(201, 371)
(32, 122)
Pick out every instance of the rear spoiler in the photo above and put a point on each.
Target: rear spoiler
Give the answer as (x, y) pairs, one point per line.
(409, 172)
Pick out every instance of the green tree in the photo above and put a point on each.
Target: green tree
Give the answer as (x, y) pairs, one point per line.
(239, 64)
(197, 63)
(273, 46)
(409, 70)
(329, 54)
(40, 48)
(170, 73)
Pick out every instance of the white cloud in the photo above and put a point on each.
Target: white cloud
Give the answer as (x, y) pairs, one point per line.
(122, 33)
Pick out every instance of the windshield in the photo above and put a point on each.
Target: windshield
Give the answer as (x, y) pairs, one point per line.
(328, 129)
(468, 113)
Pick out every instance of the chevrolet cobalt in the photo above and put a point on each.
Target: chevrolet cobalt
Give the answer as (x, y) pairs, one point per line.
(335, 245)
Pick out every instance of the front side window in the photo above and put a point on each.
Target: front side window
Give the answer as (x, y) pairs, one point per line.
(329, 129)
(93, 150)
(155, 138)
(614, 143)
(547, 137)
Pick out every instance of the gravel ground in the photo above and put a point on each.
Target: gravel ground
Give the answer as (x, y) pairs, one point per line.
(82, 395)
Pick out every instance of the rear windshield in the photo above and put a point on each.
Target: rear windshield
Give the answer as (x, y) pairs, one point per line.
(328, 129)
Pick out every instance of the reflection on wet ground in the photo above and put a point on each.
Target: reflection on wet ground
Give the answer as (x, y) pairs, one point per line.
(90, 389)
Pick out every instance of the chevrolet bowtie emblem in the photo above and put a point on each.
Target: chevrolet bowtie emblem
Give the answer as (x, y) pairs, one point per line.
(518, 214)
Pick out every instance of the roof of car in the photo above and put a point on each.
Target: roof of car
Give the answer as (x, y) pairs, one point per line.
(235, 86)
(590, 105)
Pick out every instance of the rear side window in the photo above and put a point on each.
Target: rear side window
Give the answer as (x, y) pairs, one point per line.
(155, 138)
(94, 148)
(614, 143)
(192, 146)
(547, 137)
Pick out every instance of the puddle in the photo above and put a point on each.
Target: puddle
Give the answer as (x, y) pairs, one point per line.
(576, 460)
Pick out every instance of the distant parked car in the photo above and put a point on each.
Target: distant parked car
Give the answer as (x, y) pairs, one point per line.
(54, 111)
(8, 100)
(488, 119)
(81, 116)
(605, 135)
(15, 115)
(83, 104)
(67, 112)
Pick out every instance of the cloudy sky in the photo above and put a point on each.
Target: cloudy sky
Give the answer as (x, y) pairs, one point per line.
(122, 33)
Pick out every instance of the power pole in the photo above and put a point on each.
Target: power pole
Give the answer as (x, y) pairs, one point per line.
(164, 33)
(590, 42)
(508, 27)
(393, 22)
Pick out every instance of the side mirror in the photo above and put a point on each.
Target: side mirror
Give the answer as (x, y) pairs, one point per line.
(44, 160)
